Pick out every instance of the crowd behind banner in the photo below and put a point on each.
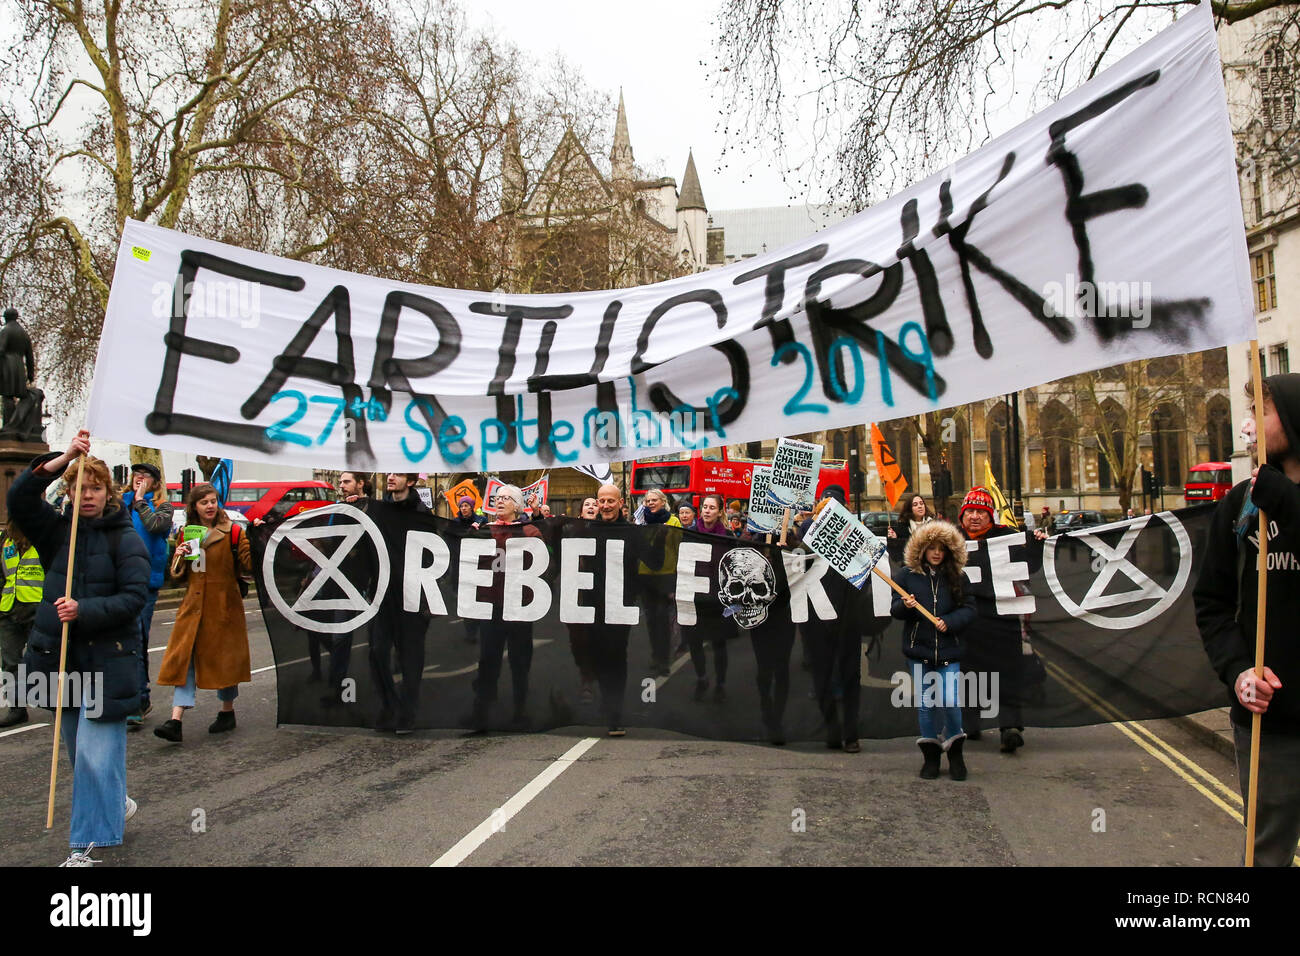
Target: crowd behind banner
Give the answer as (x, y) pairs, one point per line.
(600, 621)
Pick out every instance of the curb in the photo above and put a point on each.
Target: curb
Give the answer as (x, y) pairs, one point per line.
(1201, 726)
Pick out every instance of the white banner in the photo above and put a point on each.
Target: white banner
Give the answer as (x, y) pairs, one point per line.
(1105, 229)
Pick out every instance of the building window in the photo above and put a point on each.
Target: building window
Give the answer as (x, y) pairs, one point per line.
(1265, 281)
(1167, 445)
(1257, 194)
(840, 446)
(1163, 369)
(1058, 447)
(1277, 96)
(1218, 428)
(1214, 367)
(958, 460)
(1281, 364)
(899, 439)
(997, 426)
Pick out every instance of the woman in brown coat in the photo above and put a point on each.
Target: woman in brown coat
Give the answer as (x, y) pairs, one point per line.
(208, 647)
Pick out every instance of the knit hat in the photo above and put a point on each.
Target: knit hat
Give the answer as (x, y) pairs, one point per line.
(465, 500)
(977, 497)
(836, 492)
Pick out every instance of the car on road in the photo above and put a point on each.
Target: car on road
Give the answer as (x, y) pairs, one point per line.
(877, 522)
(1074, 520)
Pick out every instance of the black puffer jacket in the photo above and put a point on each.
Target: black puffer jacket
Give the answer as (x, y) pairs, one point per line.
(110, 584)
(922, 641)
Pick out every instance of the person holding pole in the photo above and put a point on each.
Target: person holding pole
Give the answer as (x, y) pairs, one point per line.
(87, 624)
(934, 560)
(1228, 609)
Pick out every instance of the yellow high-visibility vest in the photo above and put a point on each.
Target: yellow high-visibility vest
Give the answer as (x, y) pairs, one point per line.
(24, 577)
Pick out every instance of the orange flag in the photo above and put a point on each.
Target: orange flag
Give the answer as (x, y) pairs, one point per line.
(891, 474)
(466, 487)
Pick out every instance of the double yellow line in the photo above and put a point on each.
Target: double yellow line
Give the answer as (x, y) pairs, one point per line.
(1166, 755)
(1167, 752)
(1226, 799)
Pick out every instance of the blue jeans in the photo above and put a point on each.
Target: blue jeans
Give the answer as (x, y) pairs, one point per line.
(183, 696)
(946, 707)
(146, 621)
(97, 751)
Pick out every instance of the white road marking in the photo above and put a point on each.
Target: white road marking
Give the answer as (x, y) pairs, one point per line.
(502, 815)
(297, 660)
(22, 729)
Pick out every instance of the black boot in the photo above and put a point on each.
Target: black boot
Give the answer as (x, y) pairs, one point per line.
(169, 730)
(13, 716)
(933, 751)
(1011, 739)
(225, 721)
(956, 765)
(476, 721)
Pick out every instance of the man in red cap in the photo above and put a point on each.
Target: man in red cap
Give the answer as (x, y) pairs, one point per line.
(994, 640)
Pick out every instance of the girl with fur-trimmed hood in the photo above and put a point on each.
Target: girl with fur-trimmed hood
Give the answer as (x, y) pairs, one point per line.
(934, 560)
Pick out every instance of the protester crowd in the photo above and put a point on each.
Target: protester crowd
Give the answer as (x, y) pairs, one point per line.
(951, 624)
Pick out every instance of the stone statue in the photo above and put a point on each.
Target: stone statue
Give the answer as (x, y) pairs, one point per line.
(20, 402)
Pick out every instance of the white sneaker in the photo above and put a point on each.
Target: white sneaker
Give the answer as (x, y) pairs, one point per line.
(80, 858)
(130, 809)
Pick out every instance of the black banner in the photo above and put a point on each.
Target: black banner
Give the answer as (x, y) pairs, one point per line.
(387, 618)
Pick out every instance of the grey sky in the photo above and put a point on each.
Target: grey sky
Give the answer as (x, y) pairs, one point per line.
(654, 53)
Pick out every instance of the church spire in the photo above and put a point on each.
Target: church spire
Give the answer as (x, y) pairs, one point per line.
(512, 168)
(691, 196)
(620, 154)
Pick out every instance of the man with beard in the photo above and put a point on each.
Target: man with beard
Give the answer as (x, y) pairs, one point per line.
(1227, 608)
(396, 629)
(994, 640)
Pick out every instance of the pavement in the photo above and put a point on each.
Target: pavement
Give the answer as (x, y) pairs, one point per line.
(1212, 728)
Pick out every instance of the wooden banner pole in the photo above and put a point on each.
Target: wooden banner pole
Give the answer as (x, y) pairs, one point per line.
(890, 581)
(1261, 605)
(63, 645)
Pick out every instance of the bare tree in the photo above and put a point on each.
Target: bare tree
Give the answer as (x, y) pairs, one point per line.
(895, 91)
(351, 134)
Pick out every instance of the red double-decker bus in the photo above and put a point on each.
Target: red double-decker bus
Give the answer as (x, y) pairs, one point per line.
(1208, 481)
(725, 470)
